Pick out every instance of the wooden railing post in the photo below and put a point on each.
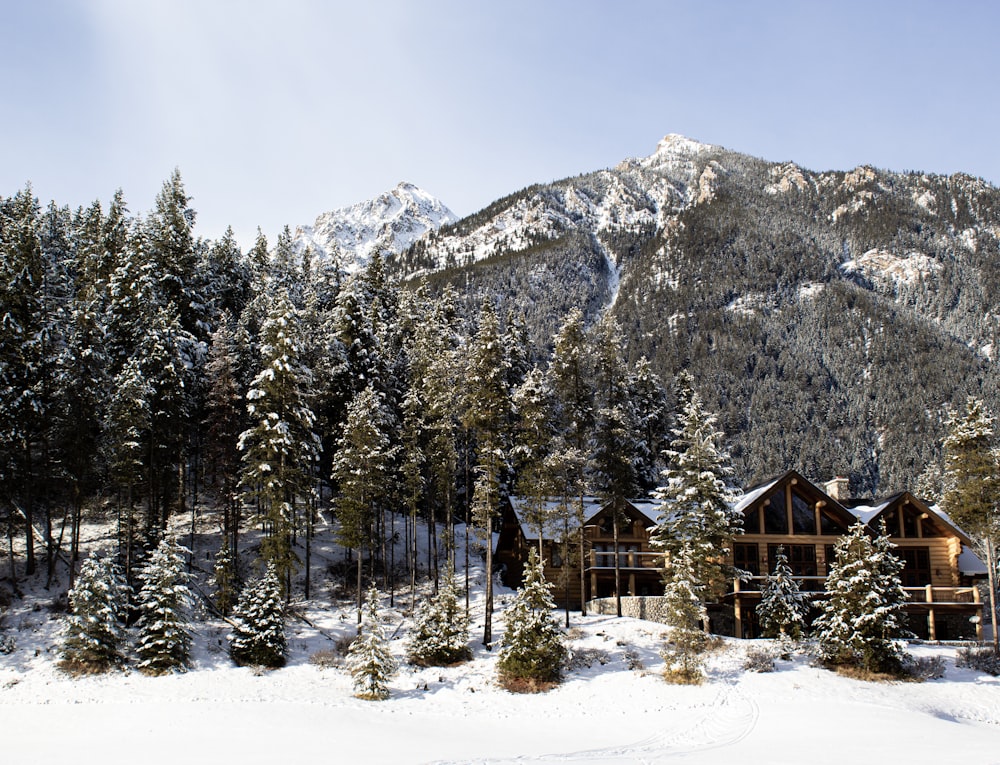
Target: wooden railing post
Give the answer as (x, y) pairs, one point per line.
(931, 621)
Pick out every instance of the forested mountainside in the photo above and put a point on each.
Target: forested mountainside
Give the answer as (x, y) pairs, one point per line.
(831, 318)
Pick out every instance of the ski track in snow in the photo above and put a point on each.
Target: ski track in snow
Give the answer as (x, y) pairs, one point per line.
(727, 720)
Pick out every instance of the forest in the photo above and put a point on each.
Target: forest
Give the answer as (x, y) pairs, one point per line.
(147, 372)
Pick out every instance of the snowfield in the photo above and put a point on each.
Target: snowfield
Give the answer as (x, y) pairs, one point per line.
(616, 710)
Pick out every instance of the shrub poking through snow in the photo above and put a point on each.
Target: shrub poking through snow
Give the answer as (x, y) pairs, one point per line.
(759, 659)
(258, 637)
(982, 659)
(441, 631)
(532, 651)
(164, 605)
(93, 636)
(369, 660)
(862, 618)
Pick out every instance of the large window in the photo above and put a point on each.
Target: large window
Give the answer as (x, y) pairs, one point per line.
(829, 527)
(801, 558)
(775, 514)
(917, 569)
(746, 558)
(803, 516)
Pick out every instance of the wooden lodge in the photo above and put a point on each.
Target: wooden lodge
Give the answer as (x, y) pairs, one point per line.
(789, 511)
(638, 564)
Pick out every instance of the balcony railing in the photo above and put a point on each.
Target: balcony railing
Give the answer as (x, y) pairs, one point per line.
(815, 585)
(636, 559)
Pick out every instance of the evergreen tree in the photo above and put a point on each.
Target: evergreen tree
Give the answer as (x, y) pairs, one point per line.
(863, 615)
(532, 403)
(684, 604)
(782, 609)
(258, 637)
(571, 380)
(164, 605)
(94, 632)
(615, 477)
(441, 629)
(972, 489)
(280, 449)
(487, 412)
(369, 660)
(225, 579)
(648, 399)
(696, 510)
(361, 469)
(532, 650)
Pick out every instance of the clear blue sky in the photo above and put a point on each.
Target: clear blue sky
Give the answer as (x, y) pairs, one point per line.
(277, 111)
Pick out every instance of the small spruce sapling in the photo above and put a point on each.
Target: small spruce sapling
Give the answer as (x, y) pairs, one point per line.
(783, 608)
(441, 630)
(258, 637)
(532, 651)
(164, 605)
(94, 633)
(369, 660)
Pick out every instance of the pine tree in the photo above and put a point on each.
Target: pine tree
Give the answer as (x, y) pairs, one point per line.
(972, 489)
(258, 637)
(782, 609)
(441, 629)
(863, 614)
(685, 611)
(532, 650)
(94, 632)
(280, 449)
(615, 477)
(487, 413)
(369, 660)
(532, 403)
(164, 605)
(571, 380)
(361, 469)
(225, 579)
(696, 510)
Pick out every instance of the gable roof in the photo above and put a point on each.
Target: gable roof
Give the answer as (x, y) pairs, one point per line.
(747, 500)
(554, 528)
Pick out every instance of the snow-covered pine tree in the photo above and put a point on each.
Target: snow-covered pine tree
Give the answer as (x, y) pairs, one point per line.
(533, 406)
(972, 489)
(258, 637)
(280, 449)
(684, 604)
(94, 633)
(440, 633)
(615, 437)
(571, 381)
(696, 500)
(863, 615)
(361, 470)
(225, 579)
(487, 413)
(164, 605)
(369, 660)
(782, 609)
(532, 650)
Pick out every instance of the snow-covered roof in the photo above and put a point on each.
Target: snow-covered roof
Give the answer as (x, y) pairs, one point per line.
(744, 501)
(555, 526)
(969, 563)
(867, 513)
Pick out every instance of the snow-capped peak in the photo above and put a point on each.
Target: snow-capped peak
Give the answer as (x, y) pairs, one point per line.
(675, 145)
(675, 157)
(389, 223)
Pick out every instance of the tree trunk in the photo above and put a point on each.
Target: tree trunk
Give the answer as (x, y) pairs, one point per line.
(488, 621)
(991, 564)
(583, 564)
(360, 595)
(618, 568)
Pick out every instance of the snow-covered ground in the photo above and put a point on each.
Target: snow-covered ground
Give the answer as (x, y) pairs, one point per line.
(613, 707)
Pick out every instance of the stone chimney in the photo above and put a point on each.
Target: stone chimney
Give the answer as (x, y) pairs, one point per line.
(838, 488)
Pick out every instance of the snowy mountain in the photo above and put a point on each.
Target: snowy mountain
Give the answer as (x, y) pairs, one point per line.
(796, 298)
(389, 223)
